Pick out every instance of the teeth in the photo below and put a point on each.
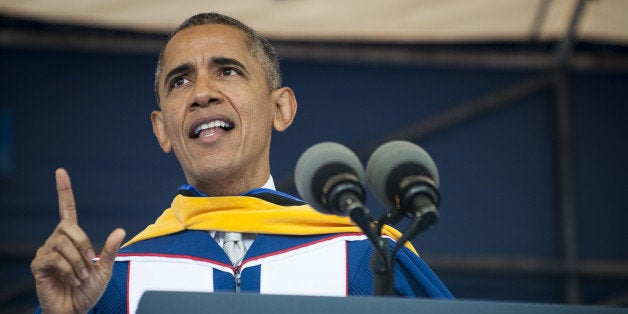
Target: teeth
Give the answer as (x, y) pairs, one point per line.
(211, 124)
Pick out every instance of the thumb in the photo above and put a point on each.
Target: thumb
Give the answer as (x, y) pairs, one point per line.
(112, 245)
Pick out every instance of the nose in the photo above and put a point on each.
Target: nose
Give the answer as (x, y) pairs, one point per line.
(205, 92)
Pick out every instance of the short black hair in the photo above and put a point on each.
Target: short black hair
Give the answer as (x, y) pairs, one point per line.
(263, 51)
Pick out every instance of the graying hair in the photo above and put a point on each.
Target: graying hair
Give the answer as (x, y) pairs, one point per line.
(263, 51)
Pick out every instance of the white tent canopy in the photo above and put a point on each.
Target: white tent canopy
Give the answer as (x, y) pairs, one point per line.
(604, 21)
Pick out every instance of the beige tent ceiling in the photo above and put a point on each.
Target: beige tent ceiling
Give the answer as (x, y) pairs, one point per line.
(368, 20)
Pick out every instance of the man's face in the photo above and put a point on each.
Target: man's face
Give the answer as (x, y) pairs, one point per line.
(217, 112)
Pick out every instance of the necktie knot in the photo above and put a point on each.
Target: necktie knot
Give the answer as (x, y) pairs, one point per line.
(232, 237)
(234, 247)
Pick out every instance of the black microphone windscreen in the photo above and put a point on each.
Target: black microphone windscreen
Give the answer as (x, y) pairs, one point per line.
(320, 162)
(388, 159)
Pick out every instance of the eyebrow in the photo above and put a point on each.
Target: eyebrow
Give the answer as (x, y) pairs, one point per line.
(226, 61)
(183, 68)
(229, 61)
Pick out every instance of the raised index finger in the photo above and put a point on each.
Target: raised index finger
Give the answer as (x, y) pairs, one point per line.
(67, 207)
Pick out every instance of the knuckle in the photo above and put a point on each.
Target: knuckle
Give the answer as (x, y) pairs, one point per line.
(49, 262)
(48, 245)
(34, 265)
(39, 256)
(61, 243)
(64, 268)
(60, 229)
(83, 245)
(40, 252)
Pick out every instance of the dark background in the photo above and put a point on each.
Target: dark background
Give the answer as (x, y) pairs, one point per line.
(499, 237)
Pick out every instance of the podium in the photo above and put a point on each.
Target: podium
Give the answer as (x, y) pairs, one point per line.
(241, 303)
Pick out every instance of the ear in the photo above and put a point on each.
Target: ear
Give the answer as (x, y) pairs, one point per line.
(285, 108)
(159, 128)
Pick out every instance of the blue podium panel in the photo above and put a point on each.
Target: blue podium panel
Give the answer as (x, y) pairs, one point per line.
(241, 303)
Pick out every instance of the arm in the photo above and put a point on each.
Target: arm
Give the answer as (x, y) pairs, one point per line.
(414, 277)
(66, 279)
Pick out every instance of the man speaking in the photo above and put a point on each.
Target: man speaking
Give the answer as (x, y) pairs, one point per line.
(220, 97)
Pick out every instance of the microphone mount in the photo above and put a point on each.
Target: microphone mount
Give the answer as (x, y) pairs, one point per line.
(418, 200)
(402, 176)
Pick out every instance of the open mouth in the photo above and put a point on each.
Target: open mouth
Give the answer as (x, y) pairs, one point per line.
(210, 127)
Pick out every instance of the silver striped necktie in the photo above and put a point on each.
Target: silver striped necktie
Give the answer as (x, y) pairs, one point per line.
(234, 247)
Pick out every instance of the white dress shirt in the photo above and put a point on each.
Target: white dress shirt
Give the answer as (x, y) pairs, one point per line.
(247, 238)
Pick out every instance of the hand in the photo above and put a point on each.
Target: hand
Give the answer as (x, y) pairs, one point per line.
(66, 278)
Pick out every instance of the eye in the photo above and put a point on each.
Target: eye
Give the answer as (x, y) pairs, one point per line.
(229, 72)
(176, 82)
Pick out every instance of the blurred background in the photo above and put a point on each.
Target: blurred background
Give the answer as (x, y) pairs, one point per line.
(521, 103)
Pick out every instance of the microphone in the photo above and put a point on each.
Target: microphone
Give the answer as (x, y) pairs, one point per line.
(331, 178)
(403, 177)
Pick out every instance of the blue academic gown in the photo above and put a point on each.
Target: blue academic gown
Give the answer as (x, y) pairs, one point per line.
(191, 260)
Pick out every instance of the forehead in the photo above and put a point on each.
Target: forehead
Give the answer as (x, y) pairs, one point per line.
(206, 41)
